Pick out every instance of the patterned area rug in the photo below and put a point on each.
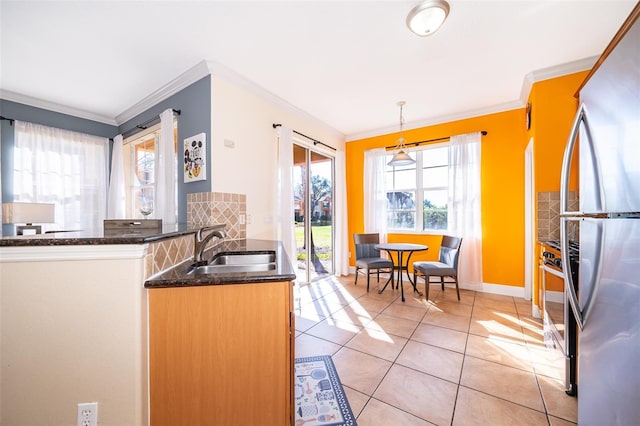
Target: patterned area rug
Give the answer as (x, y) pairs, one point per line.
(320, 399)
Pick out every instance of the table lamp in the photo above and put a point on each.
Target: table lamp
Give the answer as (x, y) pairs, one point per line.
(28, 213)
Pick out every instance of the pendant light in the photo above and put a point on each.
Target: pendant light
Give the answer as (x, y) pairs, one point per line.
(427, 17)
(401, 158)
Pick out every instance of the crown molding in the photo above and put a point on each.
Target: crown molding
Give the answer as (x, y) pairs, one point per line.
(204, 68)
(184, 80)
(553, 72)
(528, 81)
(507, 106)
(52, 106)
(232, 76)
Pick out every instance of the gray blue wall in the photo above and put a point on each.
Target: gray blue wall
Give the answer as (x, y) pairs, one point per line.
(194, 102)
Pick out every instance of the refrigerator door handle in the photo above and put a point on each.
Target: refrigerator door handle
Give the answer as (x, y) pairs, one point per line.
(581, 118)
(588, 289)
(569, 286)
(594, 280)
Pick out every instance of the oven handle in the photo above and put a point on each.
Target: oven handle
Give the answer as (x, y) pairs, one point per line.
(553, 271)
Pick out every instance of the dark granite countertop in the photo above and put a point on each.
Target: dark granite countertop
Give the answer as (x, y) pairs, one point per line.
(177, 276)
(127, 236)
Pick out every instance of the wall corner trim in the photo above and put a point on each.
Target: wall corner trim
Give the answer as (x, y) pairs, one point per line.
(187, 78)
(552, 72)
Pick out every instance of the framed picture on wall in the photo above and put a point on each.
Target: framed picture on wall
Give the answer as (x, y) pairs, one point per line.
(195, 158)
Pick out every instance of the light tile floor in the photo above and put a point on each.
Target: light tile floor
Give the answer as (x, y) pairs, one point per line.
(477, 361)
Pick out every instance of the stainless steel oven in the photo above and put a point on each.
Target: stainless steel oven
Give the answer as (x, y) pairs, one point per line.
(560, 327)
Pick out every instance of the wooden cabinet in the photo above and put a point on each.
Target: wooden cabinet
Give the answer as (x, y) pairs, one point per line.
(221, 354)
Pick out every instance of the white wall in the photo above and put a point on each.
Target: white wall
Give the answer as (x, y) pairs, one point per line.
(240, 113)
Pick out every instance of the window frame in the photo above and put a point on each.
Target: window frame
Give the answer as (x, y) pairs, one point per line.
(131, 188)
(419, 189)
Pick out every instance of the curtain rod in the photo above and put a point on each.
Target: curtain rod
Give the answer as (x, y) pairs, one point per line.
(142, 126)
(483, 133)
(146, 124)
(10, 120)
(315, 141)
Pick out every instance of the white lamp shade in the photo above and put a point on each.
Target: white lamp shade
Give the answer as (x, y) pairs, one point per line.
(28, 213)
(401, 159)
(427, 17)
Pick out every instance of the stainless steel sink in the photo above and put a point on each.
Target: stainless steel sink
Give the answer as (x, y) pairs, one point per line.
(241, 262)
(243, 258)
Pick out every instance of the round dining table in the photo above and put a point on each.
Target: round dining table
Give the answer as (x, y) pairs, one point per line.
(401, 264)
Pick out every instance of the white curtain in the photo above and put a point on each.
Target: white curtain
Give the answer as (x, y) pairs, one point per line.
(165, 197)
(341, 249)
(1, 231)
(117, 195)
(286, 217)
(375, 195)
(464, 205)
(68, 169)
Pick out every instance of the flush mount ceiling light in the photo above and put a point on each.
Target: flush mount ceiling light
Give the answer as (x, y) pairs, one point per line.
(401, 158)
(427, 17)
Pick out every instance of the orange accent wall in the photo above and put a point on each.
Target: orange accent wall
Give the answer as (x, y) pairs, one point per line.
(553, 110)
(502, 175)
(502, 178)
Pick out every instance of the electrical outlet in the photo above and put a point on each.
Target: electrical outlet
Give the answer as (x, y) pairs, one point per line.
(88, 414)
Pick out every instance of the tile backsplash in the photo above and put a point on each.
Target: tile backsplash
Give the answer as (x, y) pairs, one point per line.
(212, 208)
(164, 254)
(548, 210)
(204, 208)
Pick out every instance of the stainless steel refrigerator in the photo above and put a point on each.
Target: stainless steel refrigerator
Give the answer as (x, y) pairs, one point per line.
(606, 299)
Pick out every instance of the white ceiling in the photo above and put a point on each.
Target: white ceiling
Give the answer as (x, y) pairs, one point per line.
(347, 63)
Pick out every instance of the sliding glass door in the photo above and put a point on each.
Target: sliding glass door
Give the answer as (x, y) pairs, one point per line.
(313, 201)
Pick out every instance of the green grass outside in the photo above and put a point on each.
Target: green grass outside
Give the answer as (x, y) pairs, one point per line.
(321, 238)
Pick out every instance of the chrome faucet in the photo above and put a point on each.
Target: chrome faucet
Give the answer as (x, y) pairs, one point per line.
(201, 243)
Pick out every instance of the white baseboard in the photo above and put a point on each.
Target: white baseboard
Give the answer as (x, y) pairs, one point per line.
(505, 290)
(535, 312)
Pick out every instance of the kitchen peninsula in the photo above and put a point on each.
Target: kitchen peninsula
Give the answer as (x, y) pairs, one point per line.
(75, 323)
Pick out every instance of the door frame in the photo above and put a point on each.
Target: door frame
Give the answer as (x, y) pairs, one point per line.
(529, 225)
(309, 149)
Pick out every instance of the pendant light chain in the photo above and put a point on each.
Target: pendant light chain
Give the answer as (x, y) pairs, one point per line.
(401, 158)
(401, 103)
